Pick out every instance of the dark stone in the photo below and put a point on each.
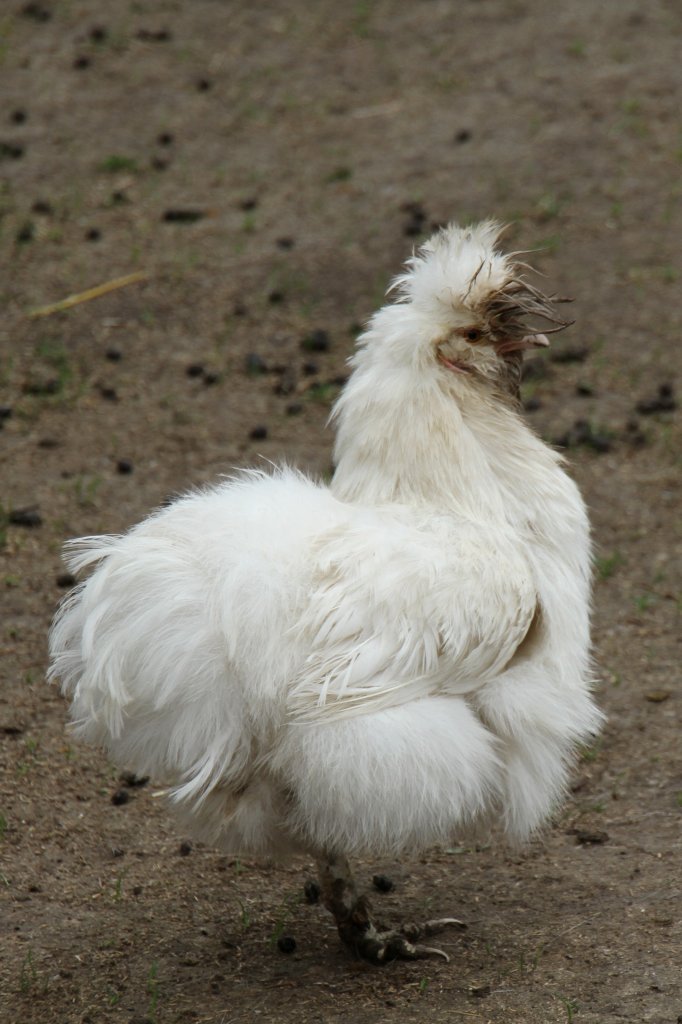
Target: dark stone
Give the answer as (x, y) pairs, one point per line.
(114, 355)
(28, 517)
(124, 467)
(316, 341)
(108, 393)
(311, 891)
(259, 433)
(133, 781)
(26, 233)
(36, 12)
(194, 370)
(182, 216)
(93, 235)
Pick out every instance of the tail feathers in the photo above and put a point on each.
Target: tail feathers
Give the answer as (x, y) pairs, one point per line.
(137, 651)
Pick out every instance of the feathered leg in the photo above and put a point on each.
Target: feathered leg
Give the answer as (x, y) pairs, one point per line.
(353, 916)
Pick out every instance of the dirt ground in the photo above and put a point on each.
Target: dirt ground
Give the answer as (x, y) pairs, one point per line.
(268, 166)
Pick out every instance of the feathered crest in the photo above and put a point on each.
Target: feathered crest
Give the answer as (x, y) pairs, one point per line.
(466, 267)
(506, 309)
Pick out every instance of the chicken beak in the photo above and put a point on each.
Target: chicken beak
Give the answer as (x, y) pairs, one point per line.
(509, 345)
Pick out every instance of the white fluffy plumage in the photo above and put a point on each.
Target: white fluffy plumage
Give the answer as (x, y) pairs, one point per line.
(373, 666)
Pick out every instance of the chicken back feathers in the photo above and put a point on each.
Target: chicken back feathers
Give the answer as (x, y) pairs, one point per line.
(370, 666)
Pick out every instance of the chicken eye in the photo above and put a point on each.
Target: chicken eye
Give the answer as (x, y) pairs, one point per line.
(473, 334)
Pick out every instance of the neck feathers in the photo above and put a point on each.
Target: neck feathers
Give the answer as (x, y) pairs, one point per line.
(460, 449)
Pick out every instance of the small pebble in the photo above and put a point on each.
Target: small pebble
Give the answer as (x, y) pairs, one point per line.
(657, 696)
(463, 135)
(93, 235)
(114, 355)
(109, 393)
(479, 991)
(255, 365)
(286, 944)
(203, 84)
(194, 370)
(124, 467)
(285, 243)
(259, 433)
(165, 139)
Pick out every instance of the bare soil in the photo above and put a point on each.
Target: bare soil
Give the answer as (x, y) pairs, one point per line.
(268, 166)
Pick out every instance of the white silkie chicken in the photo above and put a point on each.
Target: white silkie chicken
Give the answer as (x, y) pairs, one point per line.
(373, 666)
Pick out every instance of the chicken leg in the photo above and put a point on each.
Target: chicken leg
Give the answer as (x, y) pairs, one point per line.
(353, 916)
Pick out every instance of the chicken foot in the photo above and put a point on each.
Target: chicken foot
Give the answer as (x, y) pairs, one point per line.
(353, 916)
